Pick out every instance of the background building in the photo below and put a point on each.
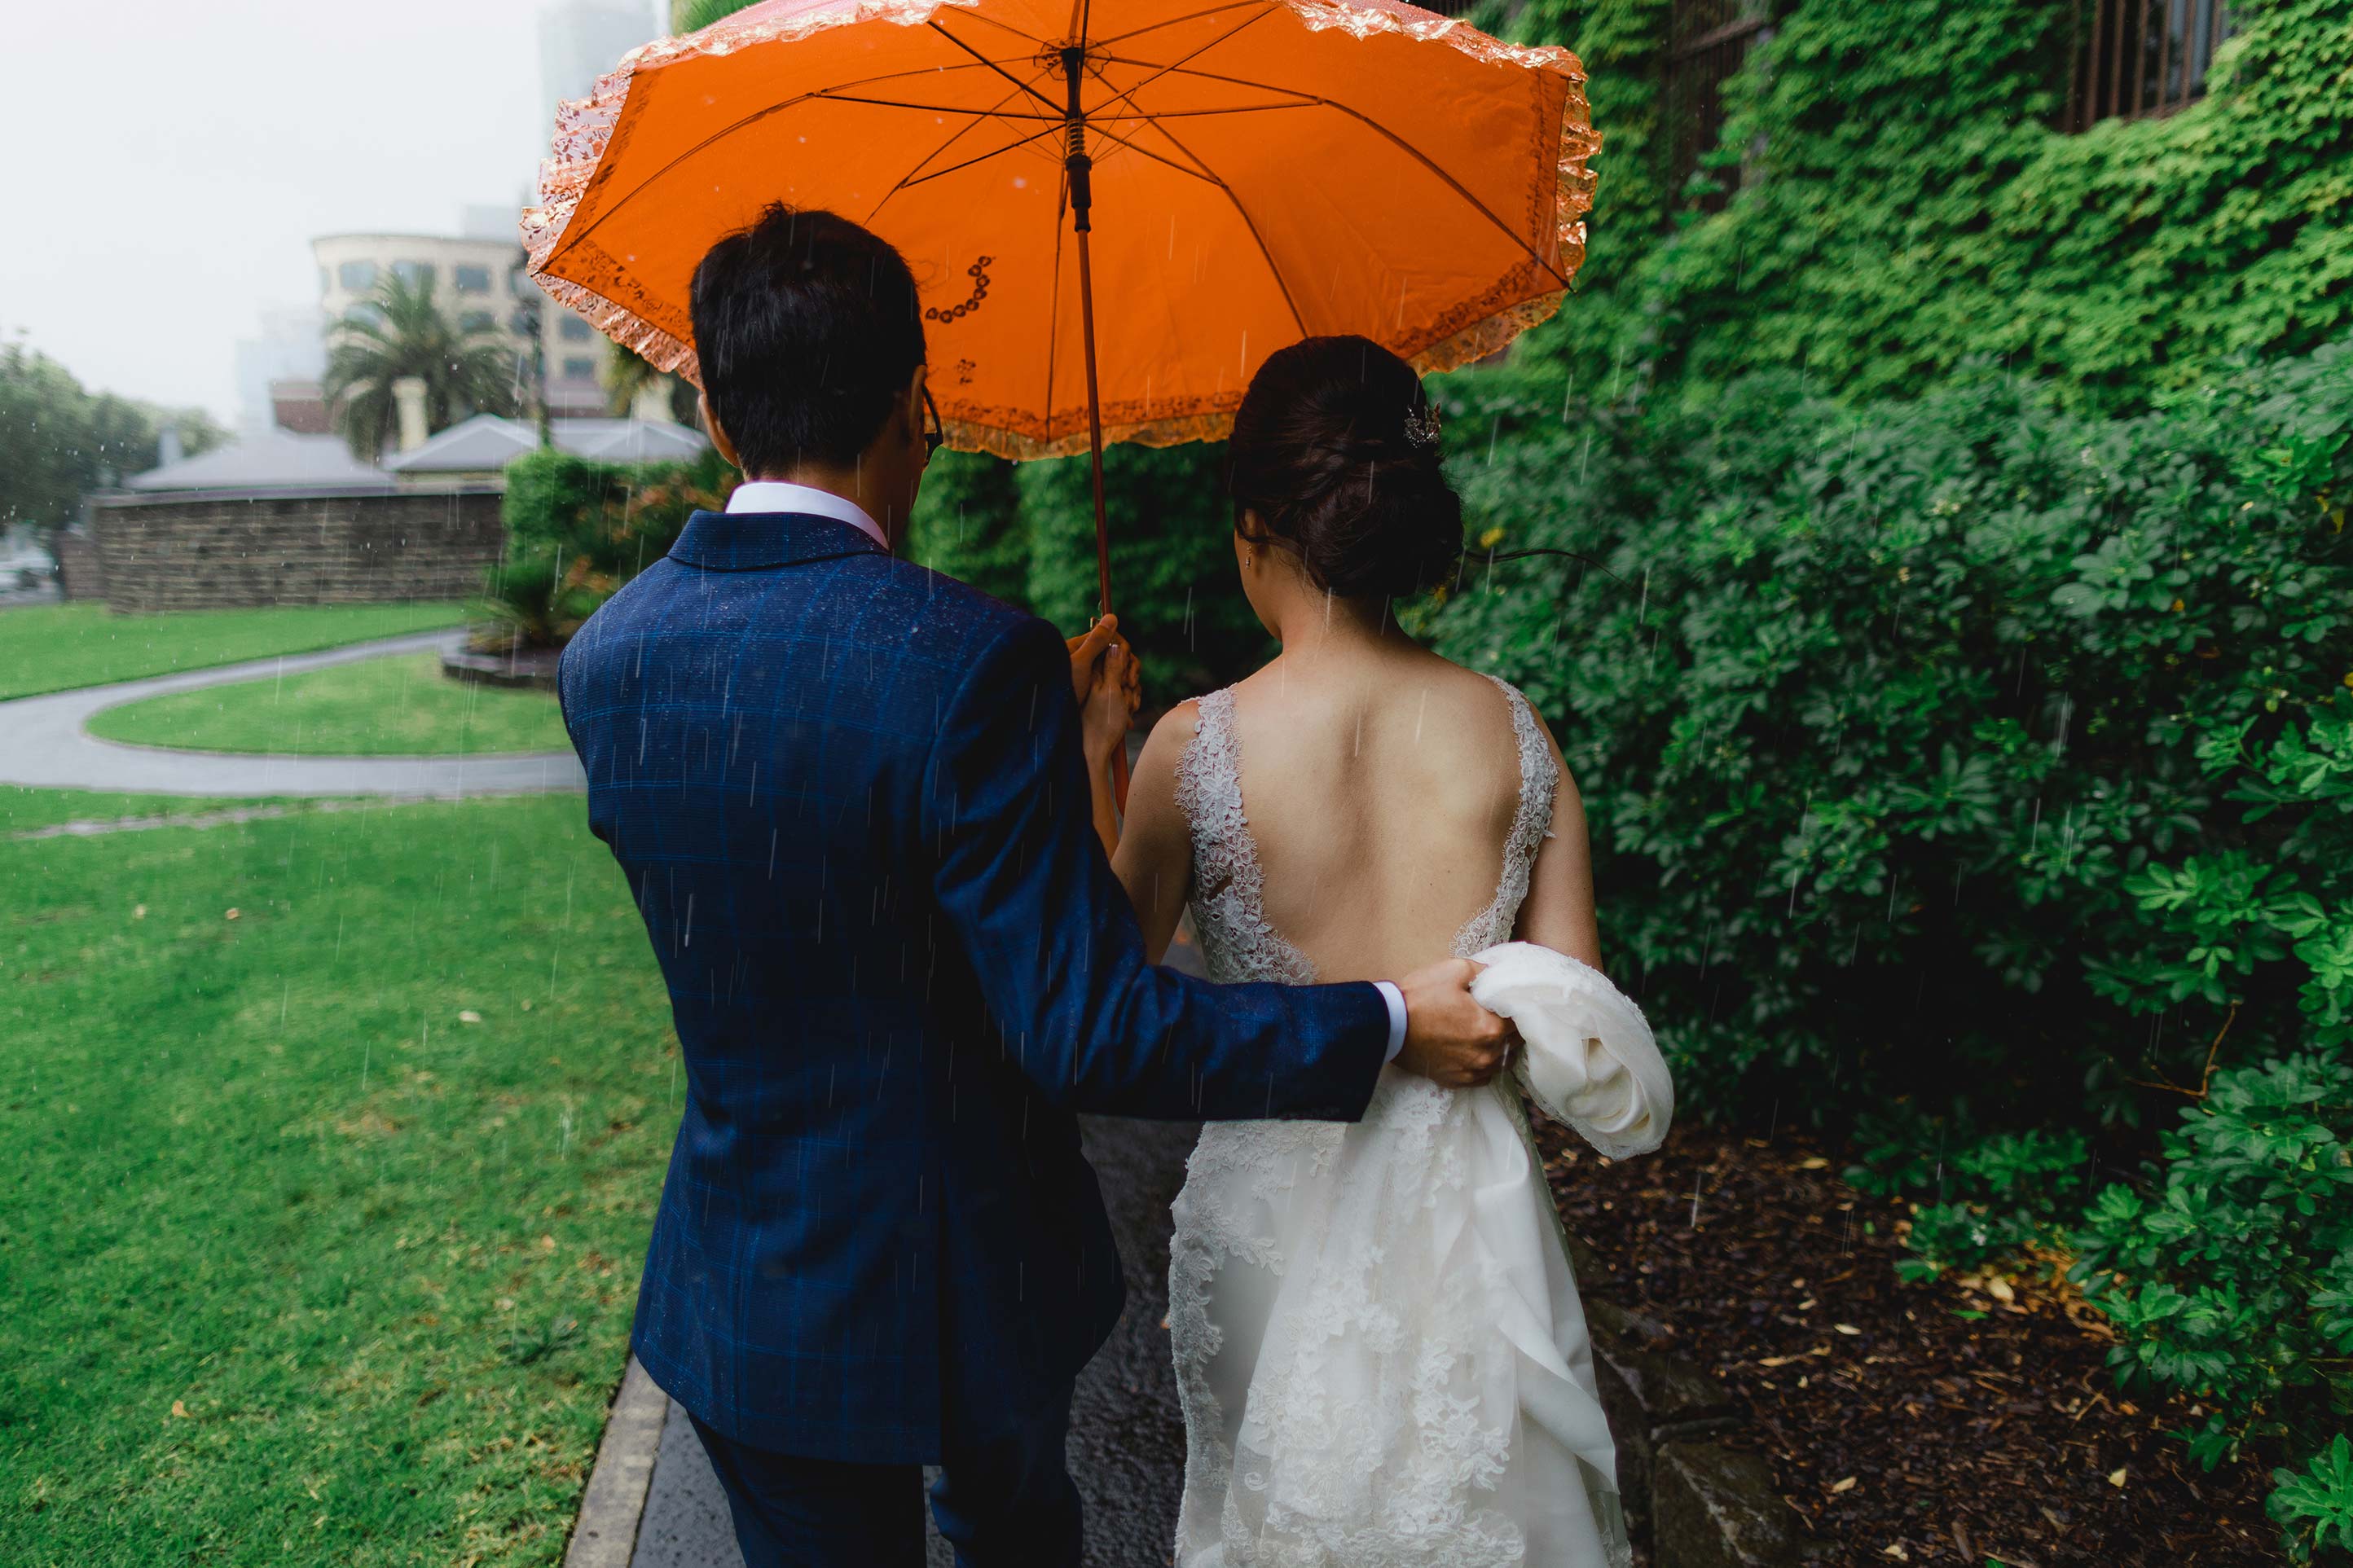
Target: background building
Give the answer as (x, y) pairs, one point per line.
(477, 279)
(287, 354)
(580, 40)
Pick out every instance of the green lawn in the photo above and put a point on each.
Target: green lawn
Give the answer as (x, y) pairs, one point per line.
(49, 648)
(299, 1262)
(379, 707)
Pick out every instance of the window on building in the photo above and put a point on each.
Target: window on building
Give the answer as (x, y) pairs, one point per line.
(365, 310)
(413, 273)
(1707, 43)
(356, 276)
(579, 367)
(2141, 58)
(470, 279)
(575, 331)
(476, 320)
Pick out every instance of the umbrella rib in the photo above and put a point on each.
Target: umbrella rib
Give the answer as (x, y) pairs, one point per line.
(998, 113)
(1128, 94)
(1401, 144)
(909, 182)
(953, 137)
(1200, 173)
(993, 66)
(722, 135)
(1054, 305)
(1265, 7)
(1247, 223)
(1001, 25)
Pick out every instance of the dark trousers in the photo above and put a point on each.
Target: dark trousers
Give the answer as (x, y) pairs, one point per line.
(1002, 1503)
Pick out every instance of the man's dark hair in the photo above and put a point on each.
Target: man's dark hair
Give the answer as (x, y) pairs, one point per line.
(808, 326)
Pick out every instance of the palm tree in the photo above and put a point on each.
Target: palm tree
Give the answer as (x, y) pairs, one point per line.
(628, 373)
(692, 15)
(403, 333)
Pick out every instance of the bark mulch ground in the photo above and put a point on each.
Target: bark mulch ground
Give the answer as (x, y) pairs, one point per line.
(1962, 1421)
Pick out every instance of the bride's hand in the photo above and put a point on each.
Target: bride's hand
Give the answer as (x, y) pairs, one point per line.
(1108, 709)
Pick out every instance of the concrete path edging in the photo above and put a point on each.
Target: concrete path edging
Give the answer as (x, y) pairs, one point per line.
(605, 1533)
(45, 745)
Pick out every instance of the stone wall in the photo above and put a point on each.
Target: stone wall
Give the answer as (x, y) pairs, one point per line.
(1691, 1501)
(78, 573)
(200, 550)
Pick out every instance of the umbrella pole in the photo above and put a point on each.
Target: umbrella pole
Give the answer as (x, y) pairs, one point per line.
(1094, 460)
(1080, 168)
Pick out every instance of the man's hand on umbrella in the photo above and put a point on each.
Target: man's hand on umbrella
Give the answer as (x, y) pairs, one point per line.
(1086, 654)
(1109, 710)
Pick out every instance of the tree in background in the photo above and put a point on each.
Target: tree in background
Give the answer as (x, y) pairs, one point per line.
(693, 16)
(408, 334)
(58, 440)
(627, 375)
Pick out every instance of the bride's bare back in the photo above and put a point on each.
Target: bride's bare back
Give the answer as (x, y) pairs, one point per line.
(1380, 782)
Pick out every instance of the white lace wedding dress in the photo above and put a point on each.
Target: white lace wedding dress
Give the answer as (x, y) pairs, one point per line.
(1379, 1349)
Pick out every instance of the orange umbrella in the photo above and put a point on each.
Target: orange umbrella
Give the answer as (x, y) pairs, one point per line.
(1262, 170)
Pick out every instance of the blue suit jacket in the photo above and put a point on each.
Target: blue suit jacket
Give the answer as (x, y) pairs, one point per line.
(849, 797)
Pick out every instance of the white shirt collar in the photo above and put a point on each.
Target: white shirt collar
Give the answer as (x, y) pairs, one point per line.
(775, 494)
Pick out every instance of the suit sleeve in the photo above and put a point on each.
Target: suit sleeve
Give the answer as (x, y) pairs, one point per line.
(1024, 886)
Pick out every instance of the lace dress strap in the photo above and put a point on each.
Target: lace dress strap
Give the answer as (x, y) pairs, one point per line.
(1229, 888)
(1531, 825)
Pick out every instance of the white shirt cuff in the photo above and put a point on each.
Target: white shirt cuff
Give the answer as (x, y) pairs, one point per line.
(1396, 999)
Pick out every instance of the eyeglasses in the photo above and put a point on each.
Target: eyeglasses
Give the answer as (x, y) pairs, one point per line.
(934, 433)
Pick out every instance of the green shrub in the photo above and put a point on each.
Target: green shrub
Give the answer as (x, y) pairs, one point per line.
(2232, 1278)
(968, 524)
(2316, 1504)
(577, 530)
(1886, 717)
(1173, 580)
(1996, 1198)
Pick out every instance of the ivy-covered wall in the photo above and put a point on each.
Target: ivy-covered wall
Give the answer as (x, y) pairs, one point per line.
(1906, 205)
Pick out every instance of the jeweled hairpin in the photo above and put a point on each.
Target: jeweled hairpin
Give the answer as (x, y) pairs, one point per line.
(1422, 429)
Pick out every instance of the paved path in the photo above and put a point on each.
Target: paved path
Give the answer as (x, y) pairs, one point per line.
(43, 744)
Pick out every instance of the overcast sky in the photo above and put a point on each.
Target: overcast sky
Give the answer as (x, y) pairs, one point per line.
(169, 162)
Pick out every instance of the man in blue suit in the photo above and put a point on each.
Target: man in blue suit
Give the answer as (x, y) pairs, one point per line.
(850, 799)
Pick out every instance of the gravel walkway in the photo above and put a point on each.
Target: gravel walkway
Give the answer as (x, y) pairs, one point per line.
(43, 744)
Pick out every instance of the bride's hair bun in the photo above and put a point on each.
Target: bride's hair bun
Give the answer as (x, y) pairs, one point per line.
(1335, 455)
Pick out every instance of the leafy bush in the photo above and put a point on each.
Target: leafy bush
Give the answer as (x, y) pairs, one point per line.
(2232, 1280)
(968, 524)
(1887, 718)
(1173, 581)
(1996, 1199)
(577, 530)
(2316, 1504)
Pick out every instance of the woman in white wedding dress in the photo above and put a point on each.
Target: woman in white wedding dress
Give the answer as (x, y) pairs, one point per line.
(1379, 1348)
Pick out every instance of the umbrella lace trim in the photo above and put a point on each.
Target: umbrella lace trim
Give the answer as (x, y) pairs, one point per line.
(585, 128)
